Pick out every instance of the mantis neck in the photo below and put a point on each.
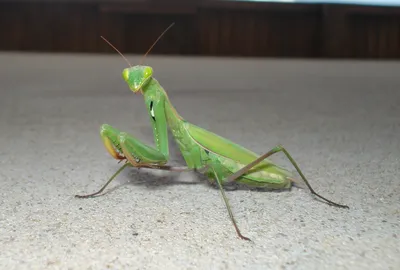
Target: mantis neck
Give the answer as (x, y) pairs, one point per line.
(171, 113)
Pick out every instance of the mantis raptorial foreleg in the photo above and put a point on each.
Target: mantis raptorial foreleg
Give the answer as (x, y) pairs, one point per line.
(276, 149)
(123, 146)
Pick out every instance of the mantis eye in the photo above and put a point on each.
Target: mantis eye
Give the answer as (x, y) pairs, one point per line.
(148, 71)
(125, 74)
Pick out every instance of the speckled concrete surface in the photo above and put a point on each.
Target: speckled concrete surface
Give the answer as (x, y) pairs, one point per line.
(340, 121)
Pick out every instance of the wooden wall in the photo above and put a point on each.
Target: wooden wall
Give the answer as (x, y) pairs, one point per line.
(202, 27)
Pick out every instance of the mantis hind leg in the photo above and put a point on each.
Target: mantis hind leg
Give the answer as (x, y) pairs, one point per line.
(275, 150)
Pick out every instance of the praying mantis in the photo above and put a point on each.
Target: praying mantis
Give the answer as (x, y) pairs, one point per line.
(221, 160)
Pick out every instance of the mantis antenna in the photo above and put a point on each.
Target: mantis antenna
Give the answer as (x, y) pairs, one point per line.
(112, 46)
(144, 56)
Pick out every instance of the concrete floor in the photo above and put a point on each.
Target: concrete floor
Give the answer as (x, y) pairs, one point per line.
(339, 119)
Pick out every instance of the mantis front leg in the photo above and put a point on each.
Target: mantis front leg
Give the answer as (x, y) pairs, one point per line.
(123, 146)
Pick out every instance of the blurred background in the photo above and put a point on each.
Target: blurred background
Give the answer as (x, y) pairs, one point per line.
(285, 28)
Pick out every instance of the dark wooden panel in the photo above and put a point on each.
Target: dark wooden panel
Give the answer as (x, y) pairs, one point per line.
(378, 36)
(203, 27)
(261, 33)
(361, 31)
(48, 27)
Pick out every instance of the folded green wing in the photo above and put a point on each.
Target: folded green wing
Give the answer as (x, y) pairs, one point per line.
(221, 146)
(266, 172)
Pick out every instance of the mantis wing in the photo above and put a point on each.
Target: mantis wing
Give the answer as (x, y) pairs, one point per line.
(228, 149)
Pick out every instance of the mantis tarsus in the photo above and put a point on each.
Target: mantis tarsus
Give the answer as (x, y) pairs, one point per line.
(221, 160)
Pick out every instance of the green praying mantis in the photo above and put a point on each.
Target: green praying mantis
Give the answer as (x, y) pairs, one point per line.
(222, 161)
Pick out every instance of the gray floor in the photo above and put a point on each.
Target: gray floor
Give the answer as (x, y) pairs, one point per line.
(340, 121)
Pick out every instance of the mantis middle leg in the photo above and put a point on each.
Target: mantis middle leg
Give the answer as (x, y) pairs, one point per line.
(228, 207)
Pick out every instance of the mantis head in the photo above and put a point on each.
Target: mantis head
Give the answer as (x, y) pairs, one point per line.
(137, 77)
